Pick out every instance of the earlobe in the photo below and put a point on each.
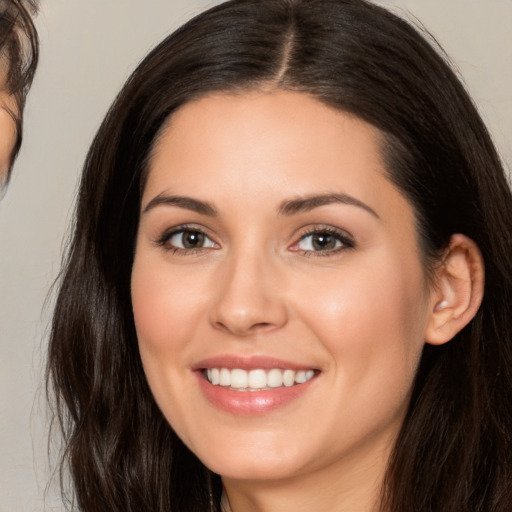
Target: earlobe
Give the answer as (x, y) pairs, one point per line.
(458, 291)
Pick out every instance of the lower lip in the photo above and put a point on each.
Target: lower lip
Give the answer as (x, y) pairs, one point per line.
(248, 403)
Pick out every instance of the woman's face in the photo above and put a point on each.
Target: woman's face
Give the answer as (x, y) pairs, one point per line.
(279, 298)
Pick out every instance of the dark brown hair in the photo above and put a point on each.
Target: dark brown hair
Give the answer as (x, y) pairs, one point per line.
(19, 54)
(454, 451)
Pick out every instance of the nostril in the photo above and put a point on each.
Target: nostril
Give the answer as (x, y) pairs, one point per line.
(261, 325)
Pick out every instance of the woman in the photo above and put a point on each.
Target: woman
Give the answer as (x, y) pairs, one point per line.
(274, 293)
(19, 50)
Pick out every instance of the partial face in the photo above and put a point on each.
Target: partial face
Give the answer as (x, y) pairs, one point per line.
(279, 298)
(8, 110)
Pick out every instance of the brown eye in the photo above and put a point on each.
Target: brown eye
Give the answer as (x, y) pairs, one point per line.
(323, 241)
(192, 239)
(189, 239)
(320, 241)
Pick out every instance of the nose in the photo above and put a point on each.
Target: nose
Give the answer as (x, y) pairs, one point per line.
(249, 297)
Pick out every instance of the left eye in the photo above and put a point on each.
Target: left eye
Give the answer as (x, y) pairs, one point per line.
(320, 241)
(188, 239)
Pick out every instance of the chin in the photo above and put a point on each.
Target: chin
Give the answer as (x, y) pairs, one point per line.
(254, 470)
(254, 463)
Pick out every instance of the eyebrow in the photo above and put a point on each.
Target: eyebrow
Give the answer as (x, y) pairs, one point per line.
(187, 203)
(306, 204)
(291, 207)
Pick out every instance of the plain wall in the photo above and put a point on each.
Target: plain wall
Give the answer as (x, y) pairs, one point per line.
(88, 49)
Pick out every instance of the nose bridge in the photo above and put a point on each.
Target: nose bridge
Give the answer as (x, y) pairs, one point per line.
(248, 299)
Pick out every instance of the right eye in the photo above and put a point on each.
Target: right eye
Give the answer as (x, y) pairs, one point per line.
(187, 240)
(320, 241)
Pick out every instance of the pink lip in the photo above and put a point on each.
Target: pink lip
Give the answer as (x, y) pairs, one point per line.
(248, 403)
(248, 363)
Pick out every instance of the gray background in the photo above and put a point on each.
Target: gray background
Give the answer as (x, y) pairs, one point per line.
(88, 49)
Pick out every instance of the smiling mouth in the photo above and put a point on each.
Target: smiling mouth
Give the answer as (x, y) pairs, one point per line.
(258, 379)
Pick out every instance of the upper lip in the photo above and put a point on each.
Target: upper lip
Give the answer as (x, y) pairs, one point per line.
(249, 363)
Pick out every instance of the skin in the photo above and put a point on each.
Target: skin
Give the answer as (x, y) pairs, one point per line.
(8, 110)
(358, 315)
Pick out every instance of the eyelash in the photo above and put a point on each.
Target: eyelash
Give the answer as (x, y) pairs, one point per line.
(342, 237)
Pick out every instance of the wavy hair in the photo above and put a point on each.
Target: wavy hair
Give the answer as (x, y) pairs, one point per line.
(454, 451)
(19, 54)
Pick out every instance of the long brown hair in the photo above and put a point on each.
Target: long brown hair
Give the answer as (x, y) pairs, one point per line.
(454, 452)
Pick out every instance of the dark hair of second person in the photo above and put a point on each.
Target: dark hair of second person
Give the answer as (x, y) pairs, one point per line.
(19, 53)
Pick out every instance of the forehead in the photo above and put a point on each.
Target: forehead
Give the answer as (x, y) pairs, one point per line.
(267, 141)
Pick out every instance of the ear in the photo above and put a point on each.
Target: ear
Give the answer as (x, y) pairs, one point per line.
(458, 290)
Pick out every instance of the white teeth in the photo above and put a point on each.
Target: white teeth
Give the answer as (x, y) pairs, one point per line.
(257, 379)
(239, 379)
(225, 377)
(288, 378)
(275, 378)
(300, 377)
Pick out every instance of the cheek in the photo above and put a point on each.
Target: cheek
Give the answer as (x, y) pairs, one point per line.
(371, 320)
(165, 304)
(7, 143)
(165, 312)
(7, 134)
(160, 315)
